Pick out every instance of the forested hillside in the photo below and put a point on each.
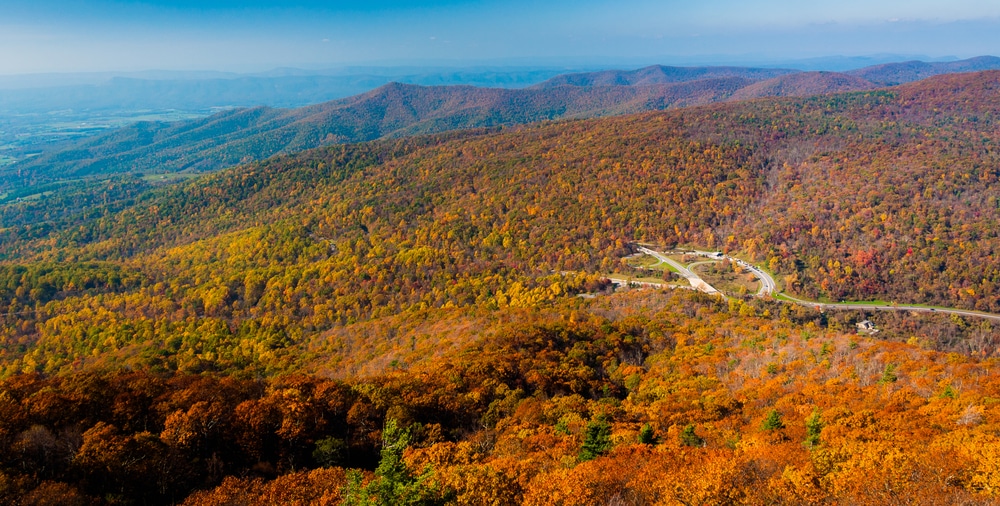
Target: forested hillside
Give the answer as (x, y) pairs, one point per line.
(639, 398)
(436, 277)
(804, 84)
(868, 195)
(124, 161)
(244, 134)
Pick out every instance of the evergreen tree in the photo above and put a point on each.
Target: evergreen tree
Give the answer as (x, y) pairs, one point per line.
(772, 421)
(814, 425)
(948, 393)
(690, 438)
(646, 435)
(597, 441)
(330, 452)
(888, 374)
(394, 483)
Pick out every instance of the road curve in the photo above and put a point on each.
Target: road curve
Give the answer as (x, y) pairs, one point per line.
(767, 284)
(696, 282)
(769, 287)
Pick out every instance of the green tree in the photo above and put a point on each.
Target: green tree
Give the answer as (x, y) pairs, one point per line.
(772, 421)
(689, 437)
(888, 374)
(393, 484)
(597, 440)
(948, 393)
(646, 435)
(814, 425)
(330, 452)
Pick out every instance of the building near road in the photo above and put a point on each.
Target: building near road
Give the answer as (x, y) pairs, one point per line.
(867, 327)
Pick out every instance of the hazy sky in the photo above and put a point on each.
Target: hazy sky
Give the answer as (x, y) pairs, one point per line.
(250, 35)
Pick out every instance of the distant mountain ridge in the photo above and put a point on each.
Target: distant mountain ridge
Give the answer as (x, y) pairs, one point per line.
(891, 74)
(128, 93)
(660, 74)
(886, 74)
(804, 84)
(393, 110)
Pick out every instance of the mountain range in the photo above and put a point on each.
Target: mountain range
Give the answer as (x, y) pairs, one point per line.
(394, 110)
(206, 91)
(890, 74)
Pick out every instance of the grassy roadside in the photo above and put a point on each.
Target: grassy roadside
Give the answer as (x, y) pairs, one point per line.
(651, 262)
(644, 279)
(669, 267)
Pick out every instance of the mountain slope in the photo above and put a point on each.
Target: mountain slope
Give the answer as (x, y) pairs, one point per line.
(78, 173)
(234, 136)
(885, 194)
(239, 135)
(669, 379)
(804, 84)
(891, 74)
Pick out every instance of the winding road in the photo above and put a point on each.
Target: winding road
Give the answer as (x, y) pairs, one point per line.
(696, 282)
(883, 307)
(767, 283)
(769, 287)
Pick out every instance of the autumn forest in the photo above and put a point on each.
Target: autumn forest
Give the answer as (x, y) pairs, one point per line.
(431, 319)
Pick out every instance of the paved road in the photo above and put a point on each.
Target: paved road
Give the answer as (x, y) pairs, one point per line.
(766, 278)
(696, 282)
(915, 309)
(769, 287)
(767, 283)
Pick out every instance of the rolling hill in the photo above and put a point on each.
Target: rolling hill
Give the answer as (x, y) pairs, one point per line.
(39, 95)
(804, 84)
(887, 74)
(152, 153)
(891, 74)
(393, 110)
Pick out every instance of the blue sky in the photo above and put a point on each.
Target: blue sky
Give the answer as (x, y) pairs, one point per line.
(253, 35)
